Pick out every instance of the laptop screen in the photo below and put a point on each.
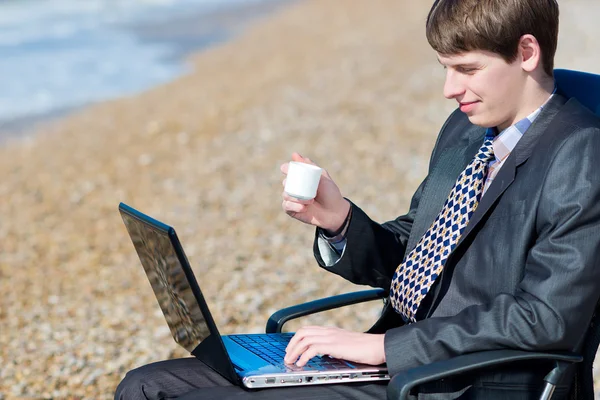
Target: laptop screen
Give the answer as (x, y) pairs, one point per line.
(168, 280)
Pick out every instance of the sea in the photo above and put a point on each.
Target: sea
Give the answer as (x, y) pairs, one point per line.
(59, 55)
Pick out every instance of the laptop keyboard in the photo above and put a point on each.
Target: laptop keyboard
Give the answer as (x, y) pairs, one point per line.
(271, 348)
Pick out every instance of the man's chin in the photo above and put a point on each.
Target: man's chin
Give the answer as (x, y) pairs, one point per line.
(479, 120)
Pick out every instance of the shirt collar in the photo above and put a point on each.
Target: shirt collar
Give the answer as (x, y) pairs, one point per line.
(505, 141)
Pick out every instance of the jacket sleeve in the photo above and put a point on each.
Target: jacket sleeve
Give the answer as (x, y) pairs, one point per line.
(373, 251)
(555, 300)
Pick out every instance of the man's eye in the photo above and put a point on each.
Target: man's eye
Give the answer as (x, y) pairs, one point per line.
(467, 70)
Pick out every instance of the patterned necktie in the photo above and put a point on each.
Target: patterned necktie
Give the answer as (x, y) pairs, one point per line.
(419, 270)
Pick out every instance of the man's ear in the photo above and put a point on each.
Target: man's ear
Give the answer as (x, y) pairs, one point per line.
(529, 53)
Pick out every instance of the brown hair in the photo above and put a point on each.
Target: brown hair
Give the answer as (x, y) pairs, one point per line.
(458, 26)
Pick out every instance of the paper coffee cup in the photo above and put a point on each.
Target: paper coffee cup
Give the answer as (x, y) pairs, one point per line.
(302, 180)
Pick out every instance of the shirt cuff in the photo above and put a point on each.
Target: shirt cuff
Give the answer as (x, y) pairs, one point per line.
(329, 254)
(340, 235)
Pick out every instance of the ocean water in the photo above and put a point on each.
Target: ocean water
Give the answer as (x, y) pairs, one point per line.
(57, 55)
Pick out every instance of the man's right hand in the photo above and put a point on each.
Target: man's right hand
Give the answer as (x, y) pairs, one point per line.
(328, 210)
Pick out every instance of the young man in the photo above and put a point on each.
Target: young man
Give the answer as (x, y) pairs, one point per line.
(500, 246)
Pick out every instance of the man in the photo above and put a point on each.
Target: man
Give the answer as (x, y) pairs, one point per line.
(500, 246)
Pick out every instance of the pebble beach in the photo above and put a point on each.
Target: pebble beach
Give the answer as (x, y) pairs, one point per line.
(352, 84)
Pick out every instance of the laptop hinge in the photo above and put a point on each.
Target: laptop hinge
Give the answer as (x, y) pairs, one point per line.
(212, 353)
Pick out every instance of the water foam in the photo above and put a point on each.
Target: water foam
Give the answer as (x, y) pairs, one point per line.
(60, 54)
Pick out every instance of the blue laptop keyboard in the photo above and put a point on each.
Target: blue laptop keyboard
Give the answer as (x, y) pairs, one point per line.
(271, 348)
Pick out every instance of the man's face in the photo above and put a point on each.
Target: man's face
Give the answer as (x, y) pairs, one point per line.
(487, 88)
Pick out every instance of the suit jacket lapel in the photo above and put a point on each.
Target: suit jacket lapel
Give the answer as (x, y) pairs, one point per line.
(518, 156)
(451, 162)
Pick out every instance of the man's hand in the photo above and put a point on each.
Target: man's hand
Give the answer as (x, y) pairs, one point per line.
(311, 341)
(328, 210)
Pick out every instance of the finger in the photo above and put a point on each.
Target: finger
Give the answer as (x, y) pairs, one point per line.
(310, 352)
(293, 341)
(297, 157)
(295, 351)
(305, 332)
(295, 347)
(283, 183)
(290, 206)
(292, 356)
(293, 199)
(284, 168)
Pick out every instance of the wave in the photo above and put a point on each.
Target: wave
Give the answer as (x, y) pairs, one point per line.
(64, 53)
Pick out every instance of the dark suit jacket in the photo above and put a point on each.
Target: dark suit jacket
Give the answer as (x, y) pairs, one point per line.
(526, 271)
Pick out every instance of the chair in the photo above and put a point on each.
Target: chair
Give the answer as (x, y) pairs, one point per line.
(585, 88)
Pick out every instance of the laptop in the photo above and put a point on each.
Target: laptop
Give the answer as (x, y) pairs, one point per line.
(250, 360)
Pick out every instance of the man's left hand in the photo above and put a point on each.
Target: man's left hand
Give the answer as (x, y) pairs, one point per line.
(311, 341)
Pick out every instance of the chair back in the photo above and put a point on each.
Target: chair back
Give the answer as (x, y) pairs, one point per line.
(585, 87)
(583, 381)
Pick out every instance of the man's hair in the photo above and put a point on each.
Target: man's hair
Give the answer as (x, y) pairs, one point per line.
(458, 26)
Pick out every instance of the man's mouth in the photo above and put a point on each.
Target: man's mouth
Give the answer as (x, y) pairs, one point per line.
(467, 106)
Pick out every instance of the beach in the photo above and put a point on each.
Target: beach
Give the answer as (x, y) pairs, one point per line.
(353, 85)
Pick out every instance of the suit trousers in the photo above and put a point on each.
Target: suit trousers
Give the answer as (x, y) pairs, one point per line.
(189, 378)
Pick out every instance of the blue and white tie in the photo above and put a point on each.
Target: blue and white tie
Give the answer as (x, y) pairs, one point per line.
(421, 267)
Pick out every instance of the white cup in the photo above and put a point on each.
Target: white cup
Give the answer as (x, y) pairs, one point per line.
(302, 180)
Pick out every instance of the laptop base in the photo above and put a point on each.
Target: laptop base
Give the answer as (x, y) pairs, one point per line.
(212, 353)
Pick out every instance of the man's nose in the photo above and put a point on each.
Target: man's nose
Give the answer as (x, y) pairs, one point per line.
(453, 88)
